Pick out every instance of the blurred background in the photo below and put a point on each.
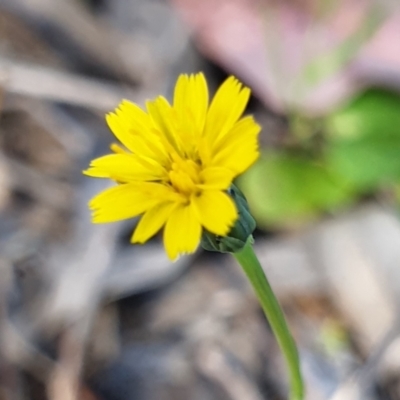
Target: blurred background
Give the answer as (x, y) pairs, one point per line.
(86, 315)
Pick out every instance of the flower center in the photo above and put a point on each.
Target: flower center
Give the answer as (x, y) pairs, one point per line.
(184, 176)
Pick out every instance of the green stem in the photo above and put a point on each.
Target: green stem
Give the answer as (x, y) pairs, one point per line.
(252, 268)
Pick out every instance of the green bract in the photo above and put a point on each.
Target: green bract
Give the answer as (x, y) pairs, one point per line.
(239, 234)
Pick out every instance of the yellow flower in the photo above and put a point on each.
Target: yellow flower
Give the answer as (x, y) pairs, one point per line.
(179, 159)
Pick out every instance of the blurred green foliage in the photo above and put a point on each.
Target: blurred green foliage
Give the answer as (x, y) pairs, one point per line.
(355, 153)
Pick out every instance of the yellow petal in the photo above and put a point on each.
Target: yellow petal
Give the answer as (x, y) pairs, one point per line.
(216, 178)
(125, 167)
(134, 129)
(152, 221)
(121, 131)
(182, 232)
(134, 115)
(127, 201)
(191, 103)
(242, 131)
(164, 122)
(117, 149)
(216, 211)
(238, 150)
(238, 159)
(226, 108)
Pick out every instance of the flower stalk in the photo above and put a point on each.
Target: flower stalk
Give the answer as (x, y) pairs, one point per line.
(272, 310)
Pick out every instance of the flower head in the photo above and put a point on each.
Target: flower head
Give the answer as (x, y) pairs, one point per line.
(177, 163)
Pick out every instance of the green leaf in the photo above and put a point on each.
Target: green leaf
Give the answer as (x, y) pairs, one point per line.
(367, 163)
(284, 190)
(364, 140)
(375, 113)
